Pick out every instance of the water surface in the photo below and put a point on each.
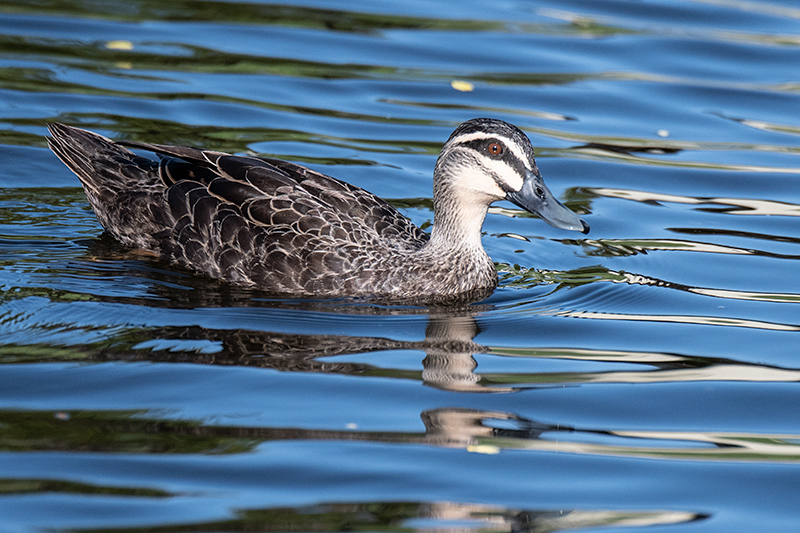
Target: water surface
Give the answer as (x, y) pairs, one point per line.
(644, 374)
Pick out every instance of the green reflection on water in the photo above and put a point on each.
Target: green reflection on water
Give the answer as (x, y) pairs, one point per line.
(29, 486)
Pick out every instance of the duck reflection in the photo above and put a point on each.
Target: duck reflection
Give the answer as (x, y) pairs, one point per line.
(448, 344)
(455, 517)
(449, 363)
(449, 349)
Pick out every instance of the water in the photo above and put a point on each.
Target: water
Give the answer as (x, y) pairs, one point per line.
(645, 374)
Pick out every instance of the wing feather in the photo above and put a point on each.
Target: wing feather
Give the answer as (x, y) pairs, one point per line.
(273, 223)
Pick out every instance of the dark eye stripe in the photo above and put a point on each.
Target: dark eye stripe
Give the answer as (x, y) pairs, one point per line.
(480, 146)
(486, 147)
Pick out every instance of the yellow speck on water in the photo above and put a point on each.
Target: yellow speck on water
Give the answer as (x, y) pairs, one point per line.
(463, 86)
(483, 448)
(119, 45)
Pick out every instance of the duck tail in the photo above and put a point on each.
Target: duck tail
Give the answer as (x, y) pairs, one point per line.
(124, 189)
(100, 163)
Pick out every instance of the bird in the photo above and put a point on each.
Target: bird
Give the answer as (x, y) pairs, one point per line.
(291, 231)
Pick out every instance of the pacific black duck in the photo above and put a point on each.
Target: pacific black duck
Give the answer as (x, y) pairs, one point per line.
(289, 230)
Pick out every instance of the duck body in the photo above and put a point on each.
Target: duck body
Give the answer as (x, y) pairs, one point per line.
(289, 230)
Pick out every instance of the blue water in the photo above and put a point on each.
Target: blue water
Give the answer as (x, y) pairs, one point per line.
(642, 375)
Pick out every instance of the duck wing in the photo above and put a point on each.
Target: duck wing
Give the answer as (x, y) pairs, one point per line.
(241, 180)
(261, 221)
(275, 224)
(254, 183)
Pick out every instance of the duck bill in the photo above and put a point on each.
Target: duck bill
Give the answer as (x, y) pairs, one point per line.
(545, 204)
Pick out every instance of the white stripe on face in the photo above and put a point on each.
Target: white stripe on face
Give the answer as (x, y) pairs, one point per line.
(502, 170)
(506, 173)
(511, 145)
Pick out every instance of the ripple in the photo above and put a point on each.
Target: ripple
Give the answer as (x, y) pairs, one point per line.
(644, 374)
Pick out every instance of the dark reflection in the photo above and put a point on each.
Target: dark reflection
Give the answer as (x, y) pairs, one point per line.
(449, 363)
(628, 149)
(428, 517)
(631, 247)
(225, 138)
(740, 233)
(454, 517)
(132, 432)
(57, 486)
(475, 430)
(250, 13)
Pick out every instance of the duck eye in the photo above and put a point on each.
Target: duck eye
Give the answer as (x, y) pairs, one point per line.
(495, 148)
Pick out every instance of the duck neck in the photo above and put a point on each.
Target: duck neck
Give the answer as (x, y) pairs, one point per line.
(455, 247)
(457, 225)
(456, 263)
(458, 210)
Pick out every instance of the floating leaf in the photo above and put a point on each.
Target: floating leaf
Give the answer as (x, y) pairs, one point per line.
(463, 86)
(119, 45)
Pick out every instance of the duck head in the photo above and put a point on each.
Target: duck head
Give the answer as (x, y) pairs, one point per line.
(488, 160)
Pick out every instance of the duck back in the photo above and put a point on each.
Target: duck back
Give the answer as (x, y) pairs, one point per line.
(253, 221)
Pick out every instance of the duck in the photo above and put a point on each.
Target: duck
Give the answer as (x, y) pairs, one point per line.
(291, 231)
